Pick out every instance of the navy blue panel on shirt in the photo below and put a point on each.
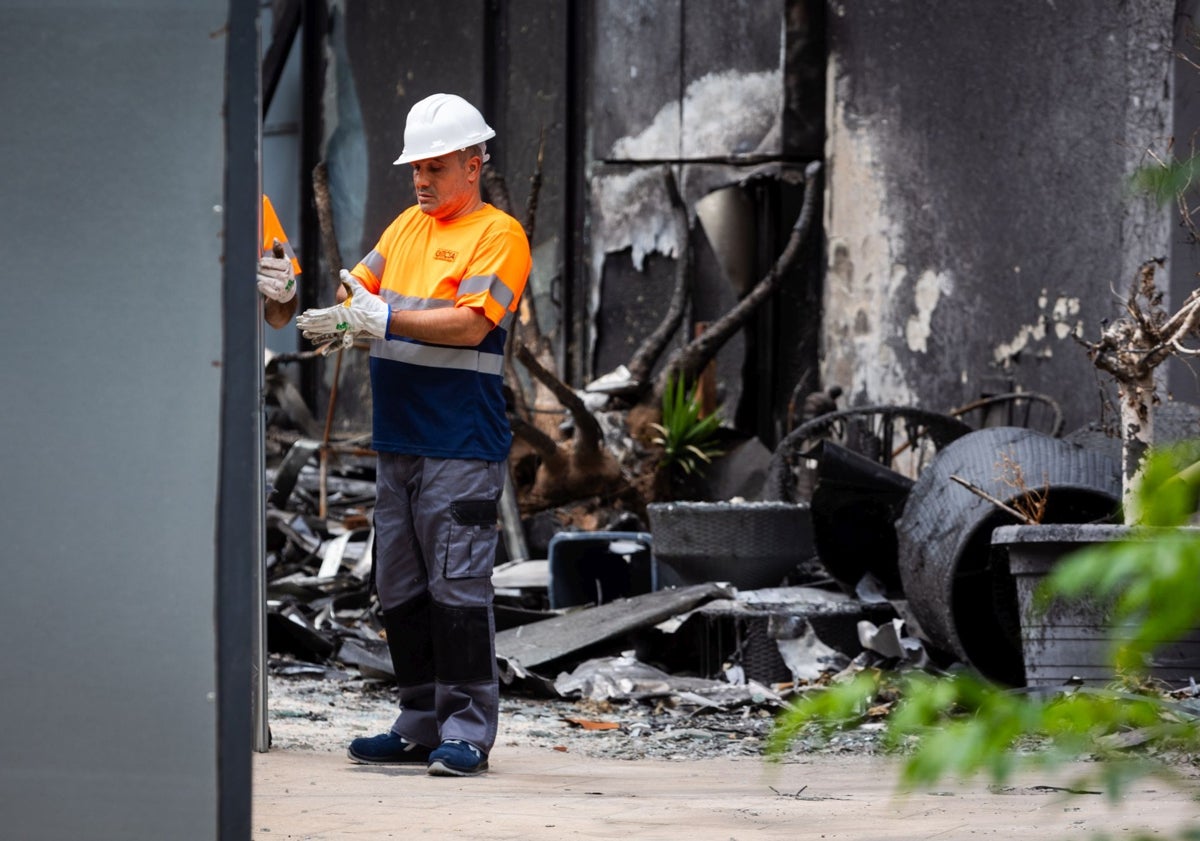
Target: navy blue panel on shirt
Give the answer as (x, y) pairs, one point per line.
(438, 412)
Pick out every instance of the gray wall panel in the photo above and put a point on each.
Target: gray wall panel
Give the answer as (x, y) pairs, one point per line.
(113, 150)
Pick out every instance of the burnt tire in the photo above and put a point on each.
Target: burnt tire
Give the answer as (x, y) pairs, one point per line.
(962, 598)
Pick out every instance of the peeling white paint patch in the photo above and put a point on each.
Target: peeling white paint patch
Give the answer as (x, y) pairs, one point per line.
(1065, 310)
(896, 278)
(635, 212)
(725, 113)
(1054, 317)
(632, 211)
(1005, 352)
(1064, 307)
(929, 290)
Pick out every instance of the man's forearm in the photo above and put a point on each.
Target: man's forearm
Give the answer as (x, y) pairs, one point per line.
(458, 326)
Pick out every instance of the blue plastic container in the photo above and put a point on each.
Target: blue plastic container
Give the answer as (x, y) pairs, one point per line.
(599, 566)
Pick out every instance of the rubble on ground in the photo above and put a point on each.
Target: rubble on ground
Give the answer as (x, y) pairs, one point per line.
(601, 640)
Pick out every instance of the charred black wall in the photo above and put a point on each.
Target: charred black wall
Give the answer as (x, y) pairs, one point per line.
(978, 208)
(728, 93)
(1184, 256)
(729, 96)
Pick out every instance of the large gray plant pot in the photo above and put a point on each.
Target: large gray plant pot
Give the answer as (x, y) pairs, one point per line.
(1073, 640)
(749, 544)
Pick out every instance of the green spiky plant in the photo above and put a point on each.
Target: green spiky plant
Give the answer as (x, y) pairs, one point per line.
(962, 725)
(689, 442)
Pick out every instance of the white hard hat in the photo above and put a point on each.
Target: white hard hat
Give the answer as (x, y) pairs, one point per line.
(439, 124)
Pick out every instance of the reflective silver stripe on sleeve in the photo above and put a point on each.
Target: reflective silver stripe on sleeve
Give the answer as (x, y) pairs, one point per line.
(410, 302)
(487, 283)
(506, 322)
(375, 262)
(431, 356)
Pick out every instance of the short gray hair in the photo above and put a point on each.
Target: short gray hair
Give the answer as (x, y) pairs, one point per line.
(479, 149)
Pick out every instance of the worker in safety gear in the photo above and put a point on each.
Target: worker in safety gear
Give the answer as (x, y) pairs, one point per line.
(277, 270)
(437, 296)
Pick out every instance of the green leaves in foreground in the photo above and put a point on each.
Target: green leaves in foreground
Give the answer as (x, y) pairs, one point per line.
(962, 725)
(1166, 180)
(1151, 580)
(688, 440)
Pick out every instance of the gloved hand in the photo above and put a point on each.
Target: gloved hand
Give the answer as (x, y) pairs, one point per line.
(276, 277)
(327, 343)
(361, 313)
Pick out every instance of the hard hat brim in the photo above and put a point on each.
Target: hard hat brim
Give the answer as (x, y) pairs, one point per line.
(407, 158)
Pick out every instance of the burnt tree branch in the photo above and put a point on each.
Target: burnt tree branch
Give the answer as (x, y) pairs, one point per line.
(542, 443)
(329, 243)
(535, 186)
(690, 359)
(1131, 348)
(497, 190)
(652, 347)
(587, 428)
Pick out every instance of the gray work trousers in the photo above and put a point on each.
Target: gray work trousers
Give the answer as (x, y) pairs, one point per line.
(435, 540)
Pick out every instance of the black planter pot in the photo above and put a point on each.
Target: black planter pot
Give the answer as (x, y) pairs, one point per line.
(749, 544)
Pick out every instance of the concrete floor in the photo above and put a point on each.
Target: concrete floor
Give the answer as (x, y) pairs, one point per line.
(538, 793)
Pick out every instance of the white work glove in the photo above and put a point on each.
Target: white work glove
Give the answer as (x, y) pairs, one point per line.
(360, 314)
(276, 277)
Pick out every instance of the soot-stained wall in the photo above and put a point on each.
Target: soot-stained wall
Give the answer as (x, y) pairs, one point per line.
(729, 97)
(729, 93)
(977, 210)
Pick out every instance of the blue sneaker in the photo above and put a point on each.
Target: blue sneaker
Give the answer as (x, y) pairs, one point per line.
(387, 749)
(456, 758)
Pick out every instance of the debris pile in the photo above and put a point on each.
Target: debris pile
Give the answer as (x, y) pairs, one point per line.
(885, 571)
(706, 646)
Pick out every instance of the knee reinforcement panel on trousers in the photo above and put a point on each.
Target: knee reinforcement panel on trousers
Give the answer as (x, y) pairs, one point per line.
(410, 640)
(462, 643)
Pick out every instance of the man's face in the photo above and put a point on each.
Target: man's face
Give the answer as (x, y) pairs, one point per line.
(447, 186)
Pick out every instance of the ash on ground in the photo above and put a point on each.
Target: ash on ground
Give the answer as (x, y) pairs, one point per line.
(322, 714)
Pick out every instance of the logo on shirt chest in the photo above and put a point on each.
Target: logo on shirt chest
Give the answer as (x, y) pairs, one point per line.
(445, 254)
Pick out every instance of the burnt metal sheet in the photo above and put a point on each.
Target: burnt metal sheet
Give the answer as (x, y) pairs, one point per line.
(808, 657)
(370, 657)
(290, 630)
(337, 553)
(806, 624)
(539, 643)
(289, 470)
(854, 508)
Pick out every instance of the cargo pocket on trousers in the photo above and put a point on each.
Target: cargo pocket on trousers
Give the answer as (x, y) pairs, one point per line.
(471, 542)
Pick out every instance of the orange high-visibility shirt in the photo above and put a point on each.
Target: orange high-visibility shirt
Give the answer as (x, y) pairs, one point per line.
(436, 400)
(273, 230)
